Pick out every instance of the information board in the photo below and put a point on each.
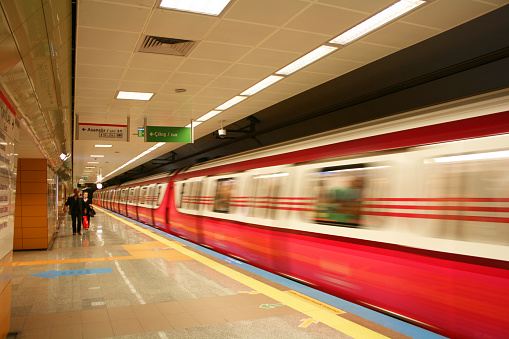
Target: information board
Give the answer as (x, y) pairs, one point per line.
(168, 134)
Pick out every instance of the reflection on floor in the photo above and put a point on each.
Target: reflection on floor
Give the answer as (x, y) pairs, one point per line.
(119, 279)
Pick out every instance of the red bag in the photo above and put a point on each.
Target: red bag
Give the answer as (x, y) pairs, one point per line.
(85, 222)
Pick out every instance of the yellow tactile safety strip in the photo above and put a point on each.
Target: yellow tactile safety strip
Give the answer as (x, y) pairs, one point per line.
(317, 313)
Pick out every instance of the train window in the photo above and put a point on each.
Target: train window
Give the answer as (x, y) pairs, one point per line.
(224, 189)
(143, 195)
(469, 195)
(131, 196)
(117, 196)
(136, 198)
(150, 200)
(340, 191)
(181, 202)
(123, 195)
(266, 191)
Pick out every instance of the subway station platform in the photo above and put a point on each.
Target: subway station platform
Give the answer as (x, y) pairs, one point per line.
(125, 280)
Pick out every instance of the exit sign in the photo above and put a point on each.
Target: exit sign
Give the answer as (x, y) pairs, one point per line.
(168, 134)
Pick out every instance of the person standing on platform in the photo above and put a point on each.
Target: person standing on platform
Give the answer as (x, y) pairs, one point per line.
(87, 203)
(75, 207)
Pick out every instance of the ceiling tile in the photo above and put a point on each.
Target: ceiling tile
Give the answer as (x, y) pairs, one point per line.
(294, 41)
(102, 57)
(170, 97)
(102, 72)
(106, 40)
(86, 100)
(190, 90)
(95, 93)
(400, 35)
(104, 84)
(19, 12)
(267, 12)
(139, 86)
(326, 20)
(233, 83)
(239, 33)
(111, 16)
(363, 52)
(179, 25)
(142, 3)
(267, 57)
(57, 11)
(226, 93)
(181, 79)
(447, 14)
(136, 74)
(207, 67)
(163, 105)
(217, 51)
(249, 71)
(286, 87)
(156, 61)
(366, 6)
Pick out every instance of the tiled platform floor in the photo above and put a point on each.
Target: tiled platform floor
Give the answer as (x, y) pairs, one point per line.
(116, 280)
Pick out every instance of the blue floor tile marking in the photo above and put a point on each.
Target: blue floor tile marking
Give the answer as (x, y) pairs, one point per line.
(366, 313)
(52, 274)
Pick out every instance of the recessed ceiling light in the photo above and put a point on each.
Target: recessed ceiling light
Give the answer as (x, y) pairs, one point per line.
(376, 21)
(262, 85)
(97, 156)
(307, 59)
(231, 102)
(209, 7)
(208, 116)
(103, 145)
(134, 95)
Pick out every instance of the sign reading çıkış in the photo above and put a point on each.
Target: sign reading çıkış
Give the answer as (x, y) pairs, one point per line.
(167, 134)
(87, 131)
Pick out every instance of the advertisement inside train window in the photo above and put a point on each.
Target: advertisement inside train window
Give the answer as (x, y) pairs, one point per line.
(469, 197)
(224, 190)
(340, 194)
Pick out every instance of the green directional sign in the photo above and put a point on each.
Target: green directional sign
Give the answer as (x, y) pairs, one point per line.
(168, 134)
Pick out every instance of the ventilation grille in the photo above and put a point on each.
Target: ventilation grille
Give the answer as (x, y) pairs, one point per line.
(160, 45)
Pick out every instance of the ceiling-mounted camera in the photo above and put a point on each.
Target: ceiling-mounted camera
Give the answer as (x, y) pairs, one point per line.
(221, 132)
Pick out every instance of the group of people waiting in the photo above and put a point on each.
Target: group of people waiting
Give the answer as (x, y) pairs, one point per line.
(78, 207)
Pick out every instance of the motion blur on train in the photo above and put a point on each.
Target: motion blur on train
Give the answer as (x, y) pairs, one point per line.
(407, 215)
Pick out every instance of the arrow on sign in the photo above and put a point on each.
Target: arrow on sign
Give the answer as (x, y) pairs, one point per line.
(307, 322)
(151, 134)
(51, 274)
(271, 305)
(83, 129)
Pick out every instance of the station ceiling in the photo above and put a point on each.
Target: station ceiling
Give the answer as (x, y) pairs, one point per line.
(122, 45)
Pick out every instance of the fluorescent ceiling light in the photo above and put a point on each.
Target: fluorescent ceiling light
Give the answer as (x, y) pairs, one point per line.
(156, 146)
(208, 116)
(87, 171)
(134, 95)
(92, 162)
(195, 123)
(103, 145)
(209, 7)
(376, 21)
(477, 156)
(89, 167)
(231, 102)
(262, 85)
(307, 59)
(97, 156)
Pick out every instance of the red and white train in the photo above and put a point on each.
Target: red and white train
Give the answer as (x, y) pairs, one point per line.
(408, 215)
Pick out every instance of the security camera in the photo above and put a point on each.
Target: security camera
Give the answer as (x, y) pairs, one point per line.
(221, 132)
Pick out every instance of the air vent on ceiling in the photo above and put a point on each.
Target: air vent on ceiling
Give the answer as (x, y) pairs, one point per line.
(160, 45)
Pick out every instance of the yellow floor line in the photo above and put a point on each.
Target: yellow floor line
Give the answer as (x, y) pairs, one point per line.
(341, 324)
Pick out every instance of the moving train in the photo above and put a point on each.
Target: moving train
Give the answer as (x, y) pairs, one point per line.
(408, 215)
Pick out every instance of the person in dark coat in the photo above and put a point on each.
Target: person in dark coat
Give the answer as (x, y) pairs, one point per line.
(75, 206)
(87, 203)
